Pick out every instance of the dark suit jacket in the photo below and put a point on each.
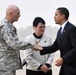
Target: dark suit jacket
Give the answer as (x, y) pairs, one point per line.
(67, 46)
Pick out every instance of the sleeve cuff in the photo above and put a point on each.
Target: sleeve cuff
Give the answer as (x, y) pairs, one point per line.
(39, 67)
(48, 65)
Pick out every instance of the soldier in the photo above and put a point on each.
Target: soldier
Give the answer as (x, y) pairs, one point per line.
(9, 43)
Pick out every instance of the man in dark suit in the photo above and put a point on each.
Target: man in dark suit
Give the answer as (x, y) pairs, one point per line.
(65, 42)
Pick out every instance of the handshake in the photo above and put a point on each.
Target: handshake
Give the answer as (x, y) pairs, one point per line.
(37, 47)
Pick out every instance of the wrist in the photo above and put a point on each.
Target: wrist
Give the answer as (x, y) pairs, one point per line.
(41, 48)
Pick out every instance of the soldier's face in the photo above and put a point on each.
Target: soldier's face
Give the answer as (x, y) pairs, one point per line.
(16, 15)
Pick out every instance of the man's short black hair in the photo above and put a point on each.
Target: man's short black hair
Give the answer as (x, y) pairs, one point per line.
(64, 11)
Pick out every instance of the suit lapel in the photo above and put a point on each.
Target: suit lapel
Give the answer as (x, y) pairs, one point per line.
(62, 37)
(64, 32)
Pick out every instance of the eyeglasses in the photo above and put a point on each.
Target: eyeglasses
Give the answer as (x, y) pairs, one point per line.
(42, 27)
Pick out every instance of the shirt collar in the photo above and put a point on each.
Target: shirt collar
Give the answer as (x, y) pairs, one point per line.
(63, 25)
(38, 37)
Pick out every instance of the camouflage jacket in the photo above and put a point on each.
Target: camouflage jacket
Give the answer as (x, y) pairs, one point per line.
(10, 46)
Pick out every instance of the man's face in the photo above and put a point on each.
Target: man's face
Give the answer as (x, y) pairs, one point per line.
(58, 17)
(39, 30)
(16, 15)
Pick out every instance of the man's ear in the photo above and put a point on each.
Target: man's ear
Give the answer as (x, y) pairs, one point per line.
(63, 16)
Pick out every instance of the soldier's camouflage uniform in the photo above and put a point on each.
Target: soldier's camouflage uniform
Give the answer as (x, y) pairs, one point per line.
(9, 49)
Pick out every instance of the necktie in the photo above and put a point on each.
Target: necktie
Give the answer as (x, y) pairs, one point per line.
(60, 32)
